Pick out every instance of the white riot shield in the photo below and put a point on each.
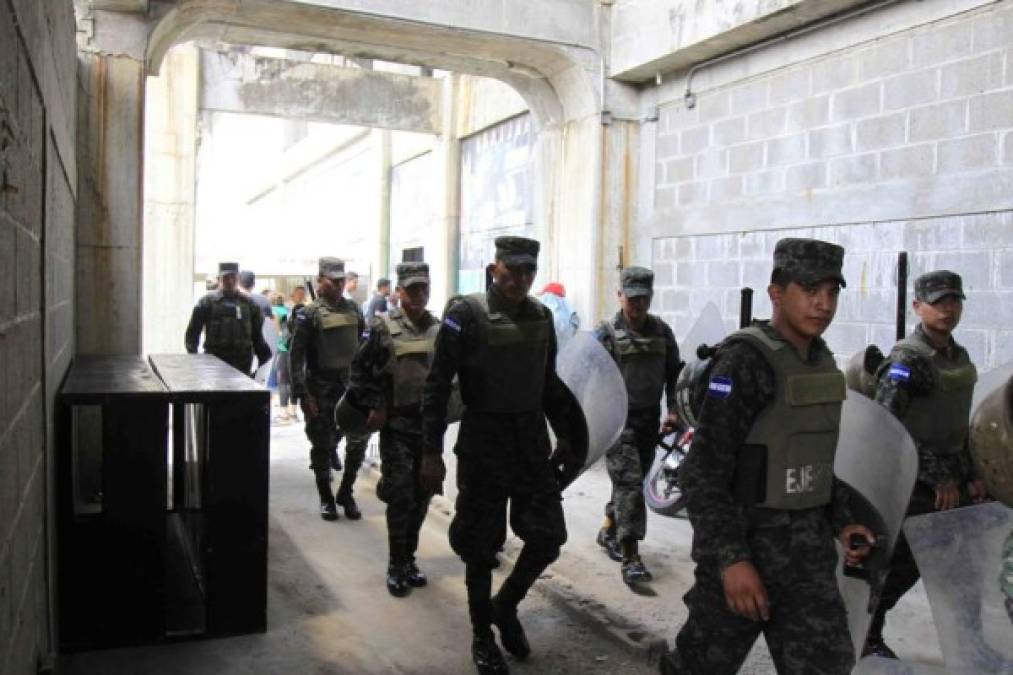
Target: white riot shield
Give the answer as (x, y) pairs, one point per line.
(270, 334)
(595, 381)
(992, 435)
(989, 382)
(960, 554)
(709, 329)
(877, 457)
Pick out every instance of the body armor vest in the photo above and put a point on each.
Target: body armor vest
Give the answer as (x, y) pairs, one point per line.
(230, 324)
(413, 357)
(642, 363)
(939, 421)
(506, 373)
(799, 428)
(337, 336)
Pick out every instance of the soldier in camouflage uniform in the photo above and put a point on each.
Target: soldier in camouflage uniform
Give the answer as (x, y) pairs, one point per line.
(232, 321)
(645, 351)
(760, 489)
(387, 377)
(927, 382)
(502, 345)
(324, 340)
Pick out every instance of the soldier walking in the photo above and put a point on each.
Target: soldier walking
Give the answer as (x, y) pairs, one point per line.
(502, 345)
(231, 323)
(644, 348)
(760, 489)
(927, 382)
(388, 374)
(324, 341)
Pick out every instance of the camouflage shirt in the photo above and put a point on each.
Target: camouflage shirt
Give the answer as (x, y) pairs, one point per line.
(895, 395)
(721, 526)
(653, 327)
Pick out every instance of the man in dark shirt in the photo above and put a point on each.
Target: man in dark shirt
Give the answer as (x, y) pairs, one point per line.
(378, 303)
(502, 345)
(760, 489)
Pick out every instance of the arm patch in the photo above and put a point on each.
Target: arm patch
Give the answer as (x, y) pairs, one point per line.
(720, 386)
(898, 372)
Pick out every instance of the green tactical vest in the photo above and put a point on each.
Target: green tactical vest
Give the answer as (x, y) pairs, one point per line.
(799, 428)
(230, 327)
(642, 363)
(337, 336)
(939, 421)
(413, 357)
(506, 373)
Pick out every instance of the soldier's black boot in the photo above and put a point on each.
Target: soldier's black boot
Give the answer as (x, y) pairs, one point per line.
(328, 511)
(487, 657)
(511, 632)
(397, 580)
(344, 497)
(607, 540)
(874, 643)
(634, 571)
(416, 578)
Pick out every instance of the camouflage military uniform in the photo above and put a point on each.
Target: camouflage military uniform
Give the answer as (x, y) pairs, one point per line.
(230, 321)
(793, 551)
(326, 385)
(629, 460)
(401, 436)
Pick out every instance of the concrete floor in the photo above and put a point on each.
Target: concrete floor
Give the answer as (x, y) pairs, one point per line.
(328, 610)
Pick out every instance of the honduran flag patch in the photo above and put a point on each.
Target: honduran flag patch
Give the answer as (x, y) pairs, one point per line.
(720, 387)
(453, 325)
(899, 372)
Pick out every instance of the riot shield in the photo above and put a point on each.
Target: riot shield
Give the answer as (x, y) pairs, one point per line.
(992, 436)
(989, 382)
(877, 457)
(593, 378)
(709, 329)
(960, 554)
(270, 334)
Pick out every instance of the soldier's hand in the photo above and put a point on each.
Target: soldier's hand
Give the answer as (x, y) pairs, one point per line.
(432, 472)
(744, 591)
(977, 491)
(853, 556)
(947, 496)
(309, 406)
(668, 424)
(377, 418)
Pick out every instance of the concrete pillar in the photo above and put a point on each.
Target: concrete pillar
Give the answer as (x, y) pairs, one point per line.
(110, 147)
(383, 232)
(169, 185)
(447, 160)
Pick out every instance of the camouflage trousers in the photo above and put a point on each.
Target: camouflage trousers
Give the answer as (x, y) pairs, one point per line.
(407, 501)
(324, 437)
(808, 629)
(628, 462)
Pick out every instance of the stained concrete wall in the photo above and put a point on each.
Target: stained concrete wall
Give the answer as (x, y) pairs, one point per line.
(37, 196)
(898, 141)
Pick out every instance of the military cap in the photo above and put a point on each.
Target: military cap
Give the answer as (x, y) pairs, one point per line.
(934, 286)
(228, 268)
(637, 281)
(517, 250)
(409, 273)
(809, 261)
(332, 268)
(247, 278)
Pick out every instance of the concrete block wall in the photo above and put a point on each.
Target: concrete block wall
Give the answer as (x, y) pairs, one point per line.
(904, 142)
(37, 175)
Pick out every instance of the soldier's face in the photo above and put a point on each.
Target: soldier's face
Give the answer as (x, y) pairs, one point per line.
(806, 310)
(513, 281)
(329, 288)
(414, 299)
(635, 308)
(941, 316)
(228, 283)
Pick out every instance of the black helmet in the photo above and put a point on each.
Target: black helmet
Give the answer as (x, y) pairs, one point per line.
(349, 416)
(691, 384)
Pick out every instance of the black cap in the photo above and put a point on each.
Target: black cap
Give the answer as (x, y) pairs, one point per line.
(637, 281)
(409, 273)
(517, 250)
(332, 268)
(934, 286)
(228, 268)
(809, 261)
(247, 279)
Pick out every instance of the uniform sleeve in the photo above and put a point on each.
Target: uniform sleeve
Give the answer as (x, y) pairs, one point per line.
(741, 385)
(455, 330)
(301, 328)
(673, 365)
(603, 335)
(260, 346)
(371, 367)
(198, 318)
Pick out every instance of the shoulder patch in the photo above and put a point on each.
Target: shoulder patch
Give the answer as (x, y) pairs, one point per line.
(452, 325)
(719, 387)
(898, 372)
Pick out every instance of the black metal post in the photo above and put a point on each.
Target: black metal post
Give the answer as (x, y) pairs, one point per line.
(901, 294)
(745, 307)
